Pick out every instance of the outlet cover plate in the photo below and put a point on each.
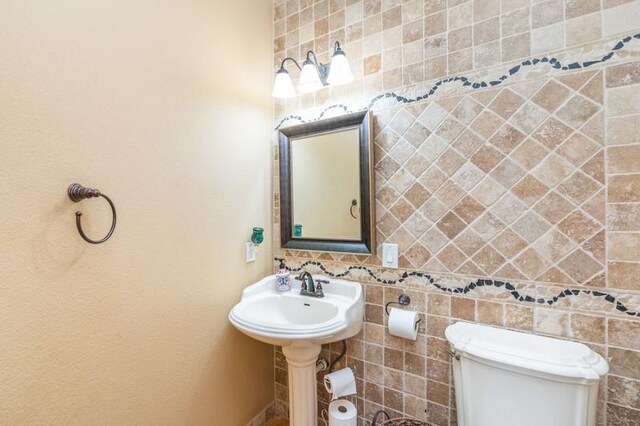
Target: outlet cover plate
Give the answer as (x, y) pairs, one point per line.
(390, 256)
(250, 253)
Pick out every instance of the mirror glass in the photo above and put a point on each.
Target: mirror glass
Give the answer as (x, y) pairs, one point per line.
(325, 186)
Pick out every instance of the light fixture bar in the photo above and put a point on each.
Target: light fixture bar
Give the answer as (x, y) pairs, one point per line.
(314, 75)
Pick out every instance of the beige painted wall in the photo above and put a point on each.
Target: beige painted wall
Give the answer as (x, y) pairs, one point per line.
(164, 105)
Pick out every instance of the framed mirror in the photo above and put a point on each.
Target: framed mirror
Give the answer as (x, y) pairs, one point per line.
(326, 185)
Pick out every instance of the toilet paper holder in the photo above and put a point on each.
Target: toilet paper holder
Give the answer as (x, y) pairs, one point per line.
(403, 300)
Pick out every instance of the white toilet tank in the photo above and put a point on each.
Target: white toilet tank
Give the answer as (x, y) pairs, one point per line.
(508, 378)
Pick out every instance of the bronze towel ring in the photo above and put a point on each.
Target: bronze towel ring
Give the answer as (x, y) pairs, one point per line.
(77, 192)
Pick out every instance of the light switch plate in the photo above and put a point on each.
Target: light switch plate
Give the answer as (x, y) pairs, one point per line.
(250, 253)
(390, 256)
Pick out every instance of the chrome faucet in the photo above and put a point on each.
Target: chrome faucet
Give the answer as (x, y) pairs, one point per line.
(308, 287)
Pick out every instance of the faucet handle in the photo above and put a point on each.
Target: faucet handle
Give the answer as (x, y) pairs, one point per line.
(319, 285)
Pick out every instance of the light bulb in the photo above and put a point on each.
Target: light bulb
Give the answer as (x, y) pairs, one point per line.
(309, 78)
(340, 71)
(282, 86)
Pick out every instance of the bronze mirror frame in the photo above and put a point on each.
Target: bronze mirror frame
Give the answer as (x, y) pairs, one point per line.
(366, 245)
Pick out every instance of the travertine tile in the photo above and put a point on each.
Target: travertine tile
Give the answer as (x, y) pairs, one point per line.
(578, 226)
(554, 245)
(432, 6)
(620, 19)
(486, 31)
(623, 391)
(583, 29)
(487, 54)
(435, 24)
(484, 9)
(530, 190)
(506, 103)
(551, 96)
(589, 328)
(575, 8)
(508, 182)
(518, 317)
(515, 21)
(552, 133)
(531, 263)
(459, 39)
(459, 15)
(624, 334)
(623, 246)
(624, 100)
(579, 187)
(550, 321)
(391, 17)
(623, 275)
(531, 226)
(516, 47)
(372, 64)
(623, 159)
(488, 260)
(577, 149)
(623, 217)
(546, 13)
(552, 170)
(486, 158)
(577, 111)
(553, 207)
(624, 188)
(624, 362)
(438, 393)
(623, 130)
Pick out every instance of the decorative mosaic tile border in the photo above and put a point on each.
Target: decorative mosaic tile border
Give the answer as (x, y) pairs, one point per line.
(466, 82)
(480, 282)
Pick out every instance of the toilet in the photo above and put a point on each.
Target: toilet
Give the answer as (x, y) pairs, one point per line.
(509, 378)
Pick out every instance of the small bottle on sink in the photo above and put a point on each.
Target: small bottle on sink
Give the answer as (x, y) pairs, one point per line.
(283, 280)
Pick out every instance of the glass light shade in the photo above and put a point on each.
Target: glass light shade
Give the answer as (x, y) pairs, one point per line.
(340, 71)
(309, 78)
(282, 86)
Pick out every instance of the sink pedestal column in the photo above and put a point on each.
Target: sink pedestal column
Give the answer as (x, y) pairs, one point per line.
(303, 408)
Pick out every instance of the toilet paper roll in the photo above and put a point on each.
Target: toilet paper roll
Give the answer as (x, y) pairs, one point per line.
(403, 323)
(342, 413)
(340, 383)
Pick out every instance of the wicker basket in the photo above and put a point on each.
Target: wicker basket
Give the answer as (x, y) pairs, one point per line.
(405, 422)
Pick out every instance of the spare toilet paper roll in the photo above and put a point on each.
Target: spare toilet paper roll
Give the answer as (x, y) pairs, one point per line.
(340, 383)
(403, 323)
(342, 413)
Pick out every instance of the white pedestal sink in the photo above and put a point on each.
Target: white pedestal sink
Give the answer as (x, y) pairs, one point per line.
(301, 325)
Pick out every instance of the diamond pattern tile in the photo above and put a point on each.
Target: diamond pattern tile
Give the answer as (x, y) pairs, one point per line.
(506, 103)
(463, 188)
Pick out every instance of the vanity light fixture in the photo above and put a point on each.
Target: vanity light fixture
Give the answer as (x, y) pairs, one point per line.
(314, 75)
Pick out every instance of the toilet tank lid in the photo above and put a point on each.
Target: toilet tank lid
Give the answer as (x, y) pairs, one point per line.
(527, 351)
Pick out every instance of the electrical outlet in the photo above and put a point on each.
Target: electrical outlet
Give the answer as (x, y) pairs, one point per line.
(250, 252)
(390, 256)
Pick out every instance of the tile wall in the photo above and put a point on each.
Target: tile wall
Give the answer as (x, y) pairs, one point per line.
(507, 159)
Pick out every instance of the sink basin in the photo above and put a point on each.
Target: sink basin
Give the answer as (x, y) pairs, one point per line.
(288, 318)
(301, 325)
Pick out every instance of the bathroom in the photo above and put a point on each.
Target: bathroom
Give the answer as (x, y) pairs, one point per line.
(496, 154)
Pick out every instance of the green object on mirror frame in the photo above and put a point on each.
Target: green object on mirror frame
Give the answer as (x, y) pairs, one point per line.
(257, 236)
(297, 230)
